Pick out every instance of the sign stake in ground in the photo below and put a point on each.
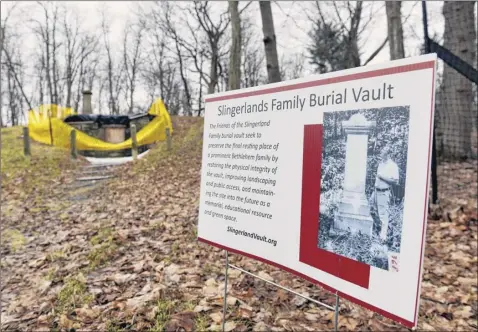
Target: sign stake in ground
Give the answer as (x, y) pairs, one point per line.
(134, 142)
(224, 308)
(326, 177)
(74, 152)
(26, 142)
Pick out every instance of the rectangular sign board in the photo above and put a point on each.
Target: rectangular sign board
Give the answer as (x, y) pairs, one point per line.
(327, 177)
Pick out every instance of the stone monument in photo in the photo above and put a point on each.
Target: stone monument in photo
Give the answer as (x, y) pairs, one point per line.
(354, 211)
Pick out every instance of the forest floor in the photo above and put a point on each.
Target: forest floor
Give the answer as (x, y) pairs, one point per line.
(126, 256)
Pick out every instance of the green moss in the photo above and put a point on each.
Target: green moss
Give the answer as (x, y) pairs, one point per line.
(112, 326)
(73, 294)
(30, 173)
(104, 235)
(164, 309)
(104, 247)
(175, 248)
(50, 275)
(58, 254)
(187, 306)
(101, 255)
(157, 226)
(201, 322)
(195, 132)
(14, 238)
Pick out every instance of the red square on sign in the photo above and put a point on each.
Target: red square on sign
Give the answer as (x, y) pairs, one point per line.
(342, 267)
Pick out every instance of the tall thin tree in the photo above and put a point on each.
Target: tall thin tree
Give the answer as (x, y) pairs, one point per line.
(456, 112)
(270, 44)
(395, 30)
(234, 77)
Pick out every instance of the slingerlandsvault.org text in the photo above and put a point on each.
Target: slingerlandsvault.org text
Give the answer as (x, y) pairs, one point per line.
(252, 235)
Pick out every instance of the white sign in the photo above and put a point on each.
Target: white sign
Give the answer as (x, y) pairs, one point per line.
(327, 177)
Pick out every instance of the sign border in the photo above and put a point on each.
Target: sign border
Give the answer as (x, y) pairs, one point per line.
(426, 64)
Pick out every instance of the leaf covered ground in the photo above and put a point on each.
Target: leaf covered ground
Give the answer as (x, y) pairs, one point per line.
(127, 258)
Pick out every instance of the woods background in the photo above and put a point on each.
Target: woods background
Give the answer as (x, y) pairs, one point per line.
(128, 54)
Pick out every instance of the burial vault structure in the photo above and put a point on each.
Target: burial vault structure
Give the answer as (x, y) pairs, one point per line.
(354, 211)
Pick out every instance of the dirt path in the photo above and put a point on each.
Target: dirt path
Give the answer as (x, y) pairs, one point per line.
(43, 242)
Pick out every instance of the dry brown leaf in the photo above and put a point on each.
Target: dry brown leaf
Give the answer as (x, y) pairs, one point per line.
(65, 322)
(183, 321)
(349, 323)
(216, 317)
(311, 317)
(261, 327)
(229, 326)
(265, 276)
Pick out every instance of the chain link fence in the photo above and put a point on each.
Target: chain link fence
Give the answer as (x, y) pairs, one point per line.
(455, 163)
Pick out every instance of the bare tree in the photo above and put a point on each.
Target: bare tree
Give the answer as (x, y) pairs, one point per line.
(161, 72)
(201, 85)
(39, 75)
(132, 59)
(114, 73)
(234, 78)
(214, 32)
(270, 46)
(223, 82)
(13, 67)
(337, 32)
(14, 84)
(46, 31)
(292, 67)
(395, 30)
(456, 93)
(163, 20)
(55, 45)
(253, 58)
(78, 47)
(43, 32)
(3, 27)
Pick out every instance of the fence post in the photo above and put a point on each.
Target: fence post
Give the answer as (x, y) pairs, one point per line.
(134, 142)
(74, 152)
(26, 142)
(168, 138)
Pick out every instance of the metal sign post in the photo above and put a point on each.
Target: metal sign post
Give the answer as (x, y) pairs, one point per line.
(335, 309)
(225, 293)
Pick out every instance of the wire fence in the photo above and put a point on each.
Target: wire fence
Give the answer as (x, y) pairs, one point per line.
(455, 163)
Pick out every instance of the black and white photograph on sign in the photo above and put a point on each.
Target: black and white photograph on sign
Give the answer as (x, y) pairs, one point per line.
(363, 176)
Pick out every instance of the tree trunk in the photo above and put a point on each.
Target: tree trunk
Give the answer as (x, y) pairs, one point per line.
(182, 69)
(235, 55)
(270, 47)
(456, 98)
(46, 39)
(11, 93)
(40, 82)
(69, 81)
(354, 54)
(200, 89)
(213, 69)
(54, 64)
(2, 33)
(395, 31)
(131, 98)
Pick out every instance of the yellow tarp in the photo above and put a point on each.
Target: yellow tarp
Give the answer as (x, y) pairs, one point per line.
(39, 127)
